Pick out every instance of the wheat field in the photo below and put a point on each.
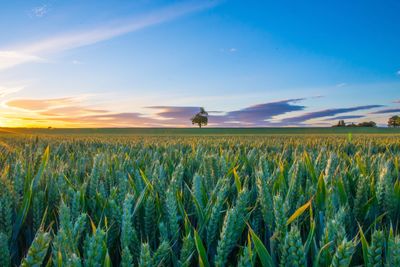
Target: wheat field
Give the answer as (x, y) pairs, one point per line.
(199, 201)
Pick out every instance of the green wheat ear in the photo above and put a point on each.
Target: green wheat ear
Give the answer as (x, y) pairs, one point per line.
(38, 250)
(145, 256)
(161, 255)
(6, 206)
(245, 259)
(280, 222)
(5, 259)
(293, 250)
(217, 212)
(393, 250)
(343, 254)
(150, 219)
(128, 238)
(126, 258)
(232, 228)
(375, 250)
(95, 248)
(187, 250)
(265, 199)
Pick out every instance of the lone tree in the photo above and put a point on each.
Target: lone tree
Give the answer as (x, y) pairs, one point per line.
(200, 118)
(394, 122)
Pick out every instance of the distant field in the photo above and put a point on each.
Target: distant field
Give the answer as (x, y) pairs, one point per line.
(203, 131)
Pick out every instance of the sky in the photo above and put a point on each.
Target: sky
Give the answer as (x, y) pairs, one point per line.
(153, 63)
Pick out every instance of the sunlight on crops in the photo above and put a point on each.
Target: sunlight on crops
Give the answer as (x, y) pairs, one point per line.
(199, 201)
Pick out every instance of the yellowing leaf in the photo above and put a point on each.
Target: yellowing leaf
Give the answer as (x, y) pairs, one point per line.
(237, 180)
(298, 212)
(93, 226)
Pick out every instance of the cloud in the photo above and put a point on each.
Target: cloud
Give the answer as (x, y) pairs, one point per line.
(324, 113)
(348, 117)
(341, 85)
(259, 114)
(74, 112)
(39, 11)
(175, 113)
(8, 90)
(256, 115)
(10, 59)
(76, 62)
(387, 111)
(41, 104)
(81, 118)
(34, 51)
(108, 119)
(229, 50)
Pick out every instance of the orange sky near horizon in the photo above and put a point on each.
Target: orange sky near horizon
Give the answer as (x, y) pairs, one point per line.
(74, 112)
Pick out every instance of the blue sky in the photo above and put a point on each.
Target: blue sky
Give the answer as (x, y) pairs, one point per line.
(153, 63)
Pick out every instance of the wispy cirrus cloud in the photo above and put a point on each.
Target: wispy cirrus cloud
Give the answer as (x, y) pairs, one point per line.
(175, 113)
(341, 85)
(229, 50)
(107, 119)
(81, 118)
(76, 62)
(8, 90)
(387, 111)
(69, 112)
(40, 11)
(76, 112)
(41, 104)
(346, 117)
(33, 52)
(9, 58)
(301, 119)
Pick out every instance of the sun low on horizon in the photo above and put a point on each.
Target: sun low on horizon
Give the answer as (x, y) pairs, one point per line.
(78, 64)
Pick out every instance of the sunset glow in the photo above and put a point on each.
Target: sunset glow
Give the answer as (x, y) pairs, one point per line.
(154, 63)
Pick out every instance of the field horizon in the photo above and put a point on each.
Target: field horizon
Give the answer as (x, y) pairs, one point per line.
(205, 131)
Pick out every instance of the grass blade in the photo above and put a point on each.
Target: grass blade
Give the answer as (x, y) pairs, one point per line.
(203, 260)
(262, 252)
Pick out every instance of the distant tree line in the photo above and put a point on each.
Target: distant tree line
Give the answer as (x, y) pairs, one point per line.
(341, 123)
(393, 122)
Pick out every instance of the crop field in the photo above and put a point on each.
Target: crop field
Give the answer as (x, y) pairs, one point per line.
(181, 200)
